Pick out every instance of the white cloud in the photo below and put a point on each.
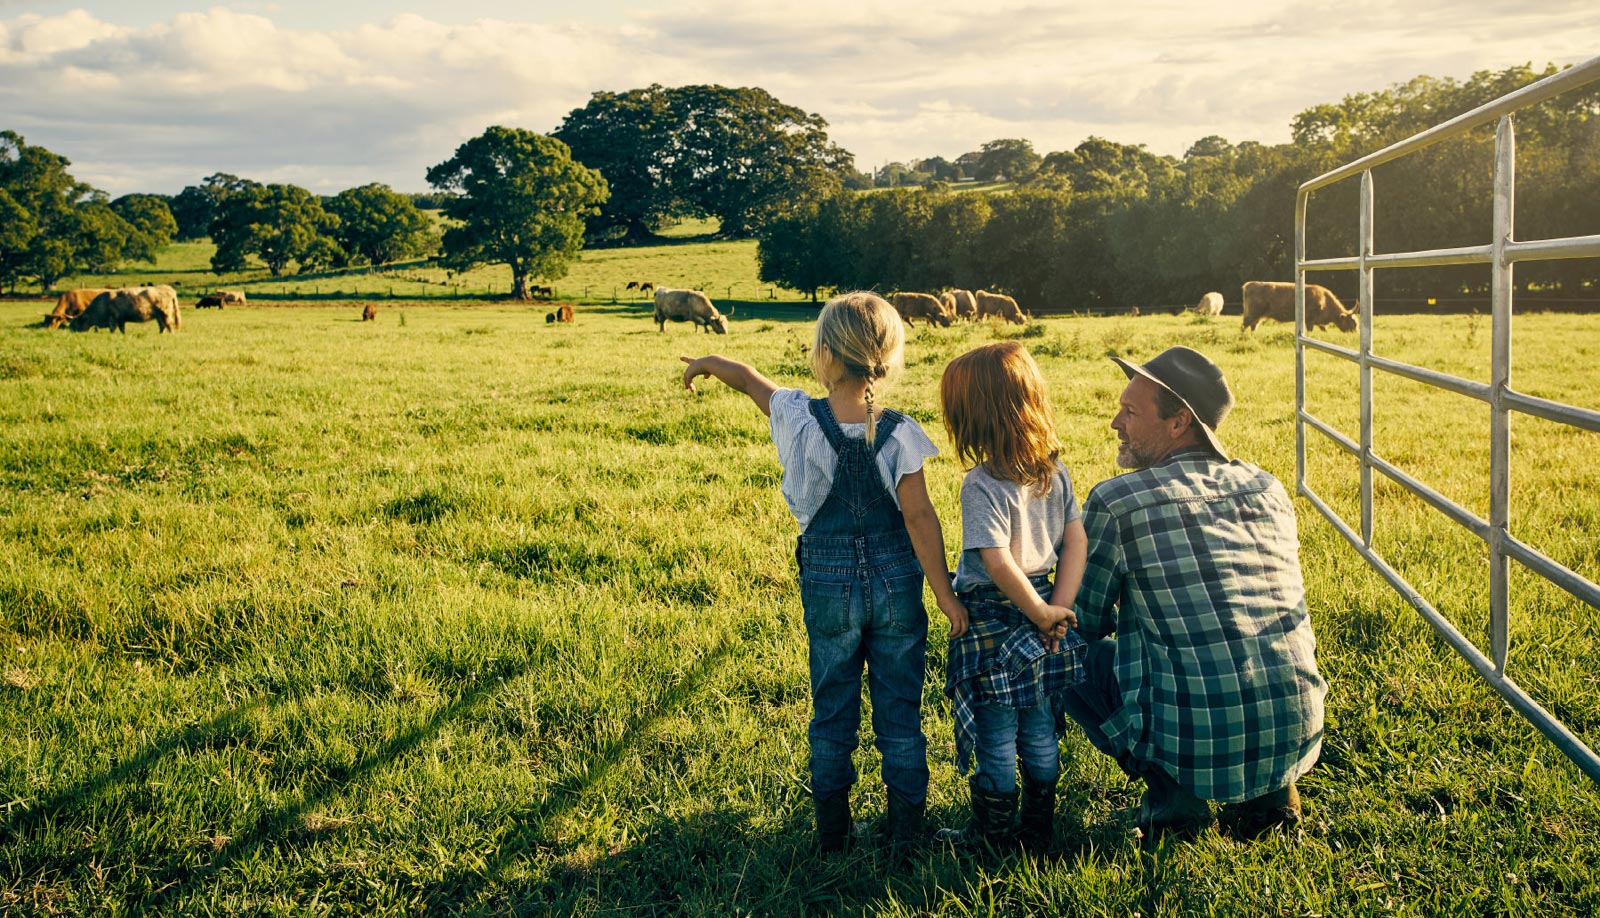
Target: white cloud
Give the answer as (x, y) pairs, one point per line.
(159, 105)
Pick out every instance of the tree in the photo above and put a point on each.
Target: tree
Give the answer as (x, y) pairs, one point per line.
(625, 136)
(276, 223)
(738, 155)
(1011, 158)
(520, 200)
(152, 222)
(67, 224)
(17, 231)
(379, 225)
(195, 207)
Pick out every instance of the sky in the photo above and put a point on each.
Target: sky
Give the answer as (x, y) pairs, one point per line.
(154, 95)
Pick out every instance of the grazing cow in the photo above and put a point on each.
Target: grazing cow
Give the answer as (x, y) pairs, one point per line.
(71, 305)
(998, 304)
(922, 306)
(966, 304)
(549, 317)
(540, 291)
(647, 287)
(369, 313)
(1210, 304)
(632, 285)
(1275, 300)
(689, 306)
(564, 314)
(231, 297)
(114, 309)
(210, 300)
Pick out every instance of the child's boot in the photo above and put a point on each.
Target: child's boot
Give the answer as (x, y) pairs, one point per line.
(833, 821)
(992, 813)
(904, 823)
(1036, 820)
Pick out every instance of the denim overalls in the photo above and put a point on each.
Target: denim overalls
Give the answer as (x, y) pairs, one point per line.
(861, 589)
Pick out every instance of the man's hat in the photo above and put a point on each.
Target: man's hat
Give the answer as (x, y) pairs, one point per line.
(1195, 380)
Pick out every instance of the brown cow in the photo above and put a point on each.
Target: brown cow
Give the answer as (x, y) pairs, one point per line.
(966, 304)
(369, 313)
(688, 306)
(564, 314)
(922, 306)
(998, 304)
(209, 301)
(114, 309)
(71, 305)
(1275, 300)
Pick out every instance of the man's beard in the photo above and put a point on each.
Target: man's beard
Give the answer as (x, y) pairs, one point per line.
(1129, 457)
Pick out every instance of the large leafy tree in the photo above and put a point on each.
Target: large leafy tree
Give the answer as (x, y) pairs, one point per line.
(739, 155)
(275, 223)
(379, 225)
(17, 231)
(151, 220)
(743, 157)
(62, 226)
(1010, 158)
(521, 200)
(195, 207)
(624, 136)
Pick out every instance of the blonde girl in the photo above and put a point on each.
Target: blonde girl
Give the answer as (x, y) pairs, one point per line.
(1019, 522)
(852, 477)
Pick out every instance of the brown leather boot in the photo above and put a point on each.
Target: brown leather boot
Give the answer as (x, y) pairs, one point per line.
(1168, 808)
(1279, 809)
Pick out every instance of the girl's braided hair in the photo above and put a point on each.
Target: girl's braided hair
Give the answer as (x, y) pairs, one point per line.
(859, 336)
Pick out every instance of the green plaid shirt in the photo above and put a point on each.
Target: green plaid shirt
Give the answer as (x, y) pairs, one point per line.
(1194, 565)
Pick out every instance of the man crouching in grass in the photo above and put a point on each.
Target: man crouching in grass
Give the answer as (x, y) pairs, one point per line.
(1210, 689)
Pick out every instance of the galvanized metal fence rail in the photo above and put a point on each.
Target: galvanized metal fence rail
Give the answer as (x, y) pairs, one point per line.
(1501, 254)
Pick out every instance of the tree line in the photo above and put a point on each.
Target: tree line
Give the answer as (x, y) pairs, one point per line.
(1109, 226)
(1104, 225)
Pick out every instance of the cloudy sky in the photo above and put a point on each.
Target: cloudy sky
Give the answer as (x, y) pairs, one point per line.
(153, 95)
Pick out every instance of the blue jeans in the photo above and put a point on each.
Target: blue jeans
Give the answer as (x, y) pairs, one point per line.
(870, 618)
(1007, 736)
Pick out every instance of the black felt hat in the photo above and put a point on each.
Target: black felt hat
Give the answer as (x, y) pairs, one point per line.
(1195, 380)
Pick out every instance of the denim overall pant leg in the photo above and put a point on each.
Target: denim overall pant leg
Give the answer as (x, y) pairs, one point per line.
(861, 589)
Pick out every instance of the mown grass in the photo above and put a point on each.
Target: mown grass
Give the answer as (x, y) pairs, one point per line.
(464, 613)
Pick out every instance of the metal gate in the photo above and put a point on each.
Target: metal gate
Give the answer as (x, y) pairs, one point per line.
(1501, 254)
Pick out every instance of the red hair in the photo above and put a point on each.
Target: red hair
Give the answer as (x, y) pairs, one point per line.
(998, 414)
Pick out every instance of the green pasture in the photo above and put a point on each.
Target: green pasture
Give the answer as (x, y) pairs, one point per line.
(688, 256)
(459, 612)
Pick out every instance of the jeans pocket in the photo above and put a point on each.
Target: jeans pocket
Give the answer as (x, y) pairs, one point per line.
(826, 604)
(906, 610)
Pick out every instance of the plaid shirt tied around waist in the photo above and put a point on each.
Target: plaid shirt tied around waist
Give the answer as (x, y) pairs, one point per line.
(1002, 659)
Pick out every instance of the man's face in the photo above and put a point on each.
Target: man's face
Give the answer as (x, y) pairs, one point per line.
(1143, 436)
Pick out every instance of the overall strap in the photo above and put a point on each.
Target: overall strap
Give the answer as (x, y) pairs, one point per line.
(888, 420)
(823, 412)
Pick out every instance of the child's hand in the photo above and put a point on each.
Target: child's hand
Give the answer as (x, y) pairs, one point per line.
(956, 613)
(696, 368)
(1053, 635)
(1061, 618)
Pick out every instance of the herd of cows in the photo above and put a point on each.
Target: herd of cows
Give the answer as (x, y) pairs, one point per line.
(1262, 300)
(113, 309)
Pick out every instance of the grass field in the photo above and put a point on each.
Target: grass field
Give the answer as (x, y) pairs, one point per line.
(688, 257)
(460, 612)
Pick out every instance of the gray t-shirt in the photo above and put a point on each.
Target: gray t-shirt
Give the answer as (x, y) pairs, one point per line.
(1003, 514)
